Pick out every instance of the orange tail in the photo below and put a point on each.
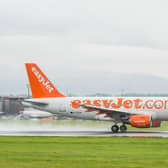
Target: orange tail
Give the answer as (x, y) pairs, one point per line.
(40, 86)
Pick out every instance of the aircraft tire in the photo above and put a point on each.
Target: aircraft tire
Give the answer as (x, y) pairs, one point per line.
(115, 128)
(123, 128)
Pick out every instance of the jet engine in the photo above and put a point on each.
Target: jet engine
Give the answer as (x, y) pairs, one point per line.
(143, 121)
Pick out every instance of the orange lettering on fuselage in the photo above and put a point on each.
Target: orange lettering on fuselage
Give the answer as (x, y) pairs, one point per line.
(87, 102)
(118, 105)
(97, 103)
(127, 104)
(147, 104)
(165, 104)
(137, 103)
(123, 102)
(158, 104)
(107, 103)
(75, 104)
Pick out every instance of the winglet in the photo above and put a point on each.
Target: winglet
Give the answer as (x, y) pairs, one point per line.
(40, 86)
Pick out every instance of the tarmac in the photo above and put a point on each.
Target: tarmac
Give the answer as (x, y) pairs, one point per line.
(163, 134)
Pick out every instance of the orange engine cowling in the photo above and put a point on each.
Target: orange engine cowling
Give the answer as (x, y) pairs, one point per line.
(143, 121)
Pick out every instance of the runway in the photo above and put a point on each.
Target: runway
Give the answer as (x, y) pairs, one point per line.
(163, 134)
(70, 128)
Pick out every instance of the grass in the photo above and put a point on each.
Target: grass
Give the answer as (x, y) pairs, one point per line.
(83, 152)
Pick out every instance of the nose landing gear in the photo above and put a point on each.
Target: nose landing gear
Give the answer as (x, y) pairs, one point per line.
(115, 128)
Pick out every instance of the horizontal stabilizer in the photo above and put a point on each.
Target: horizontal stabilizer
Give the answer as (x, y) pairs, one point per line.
(36, 103)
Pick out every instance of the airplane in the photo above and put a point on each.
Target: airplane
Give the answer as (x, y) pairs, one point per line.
(139, 112)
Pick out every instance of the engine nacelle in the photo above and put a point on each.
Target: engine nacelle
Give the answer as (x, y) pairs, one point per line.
(143, 121)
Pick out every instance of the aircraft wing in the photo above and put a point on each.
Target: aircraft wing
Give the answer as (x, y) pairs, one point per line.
(111, 113)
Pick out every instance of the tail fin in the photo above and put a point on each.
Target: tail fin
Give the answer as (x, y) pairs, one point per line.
(40, 86)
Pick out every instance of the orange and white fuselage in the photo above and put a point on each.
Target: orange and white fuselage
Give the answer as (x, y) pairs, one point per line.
(68, 106)
(141, 112)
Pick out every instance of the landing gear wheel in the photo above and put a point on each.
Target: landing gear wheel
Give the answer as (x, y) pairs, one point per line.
(123, 128)
(115, 128)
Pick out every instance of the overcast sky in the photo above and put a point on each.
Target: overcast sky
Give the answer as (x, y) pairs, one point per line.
(72, 38)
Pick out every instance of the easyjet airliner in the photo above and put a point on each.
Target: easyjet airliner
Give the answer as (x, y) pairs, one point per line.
(140, 112)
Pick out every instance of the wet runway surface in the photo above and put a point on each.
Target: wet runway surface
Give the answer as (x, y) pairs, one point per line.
(84, 133)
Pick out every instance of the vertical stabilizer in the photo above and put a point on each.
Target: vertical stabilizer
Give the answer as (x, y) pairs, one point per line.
(40, 86)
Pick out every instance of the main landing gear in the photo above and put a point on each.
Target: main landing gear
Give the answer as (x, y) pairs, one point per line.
(115, 128)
